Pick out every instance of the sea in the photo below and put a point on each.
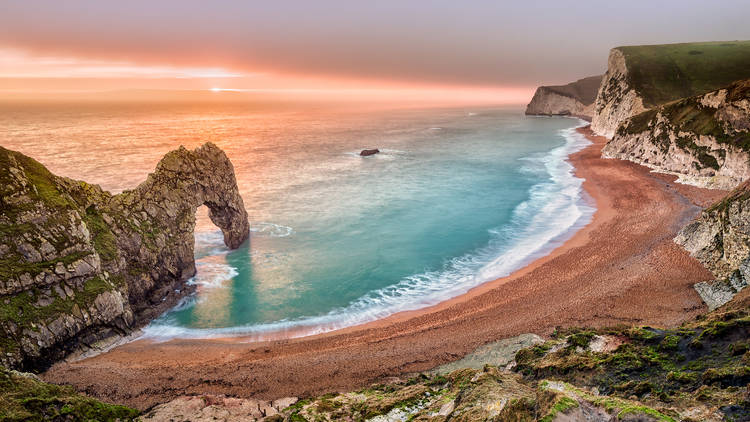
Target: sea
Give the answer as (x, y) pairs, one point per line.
(457, 196)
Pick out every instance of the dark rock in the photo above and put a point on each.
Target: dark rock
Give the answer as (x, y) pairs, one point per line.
(123, 255)
(368, 152)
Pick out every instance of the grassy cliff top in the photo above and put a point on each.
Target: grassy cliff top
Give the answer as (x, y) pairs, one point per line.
(664, 73)
(584, 90)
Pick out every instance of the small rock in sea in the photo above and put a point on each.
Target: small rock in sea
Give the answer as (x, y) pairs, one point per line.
(366, 152)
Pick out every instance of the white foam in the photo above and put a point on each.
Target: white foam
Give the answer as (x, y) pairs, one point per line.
(264, 229)
(210, 243)
(556, 208)
(212, 274)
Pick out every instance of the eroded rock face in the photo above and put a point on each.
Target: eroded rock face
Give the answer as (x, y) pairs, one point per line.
(80, 267)
(574, 99)
(703, 139)
(720, 239)
(617, 100)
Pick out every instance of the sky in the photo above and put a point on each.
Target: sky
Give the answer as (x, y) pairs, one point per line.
(494, 49)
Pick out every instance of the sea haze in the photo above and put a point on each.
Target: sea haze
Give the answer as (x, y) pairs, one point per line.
(457, 197)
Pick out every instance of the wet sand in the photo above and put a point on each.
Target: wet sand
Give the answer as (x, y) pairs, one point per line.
(622, 268)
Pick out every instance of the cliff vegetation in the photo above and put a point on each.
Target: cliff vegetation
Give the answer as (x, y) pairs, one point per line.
(667, 72)
(705, 139)
(81, 268)
(639, 78)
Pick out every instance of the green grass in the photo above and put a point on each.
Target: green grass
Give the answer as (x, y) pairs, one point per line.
(664, 73)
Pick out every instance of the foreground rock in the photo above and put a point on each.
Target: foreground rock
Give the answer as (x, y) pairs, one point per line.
(80, 267)
(643, 77)
(368, 152)
(704, 139)
(720, 239)
(23, 397)
(696, 372)
(574, 99)
(218, 408)
(499, 353)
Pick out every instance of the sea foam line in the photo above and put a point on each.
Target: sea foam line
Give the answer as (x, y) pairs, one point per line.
(555, 210)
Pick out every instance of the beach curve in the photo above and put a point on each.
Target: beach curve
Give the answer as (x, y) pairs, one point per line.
(621, 268)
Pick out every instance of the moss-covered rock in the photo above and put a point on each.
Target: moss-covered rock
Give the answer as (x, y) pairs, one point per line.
(79, 266)
(25, 398)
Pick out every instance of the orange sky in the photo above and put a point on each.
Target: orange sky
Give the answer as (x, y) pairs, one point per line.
(24, 75)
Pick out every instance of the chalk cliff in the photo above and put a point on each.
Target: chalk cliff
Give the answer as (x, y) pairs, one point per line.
(617, 98)
(80, 267)
(704, 139)
(574, 99)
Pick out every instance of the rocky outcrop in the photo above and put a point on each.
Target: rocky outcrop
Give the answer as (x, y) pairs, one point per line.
(211, 408)
(574, 99)
(79, 266)
(368, 152)
(720, 239)
(704, 139)
(617, 99)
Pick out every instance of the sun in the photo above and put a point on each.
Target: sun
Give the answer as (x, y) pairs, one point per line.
(215, 89)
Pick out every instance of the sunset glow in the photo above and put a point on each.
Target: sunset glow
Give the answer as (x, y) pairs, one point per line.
(23, 73)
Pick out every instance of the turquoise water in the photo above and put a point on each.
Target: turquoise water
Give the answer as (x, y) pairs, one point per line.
(457, 197)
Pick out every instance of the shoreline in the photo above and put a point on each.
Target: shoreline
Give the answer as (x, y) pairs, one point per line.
(585, 203)
(602, 275)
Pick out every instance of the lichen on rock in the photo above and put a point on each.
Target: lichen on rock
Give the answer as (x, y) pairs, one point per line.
(720, 239)
(79, 266)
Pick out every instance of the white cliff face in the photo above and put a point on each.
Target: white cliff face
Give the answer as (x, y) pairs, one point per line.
(549, 103)
(616, 100)
(665, 139)
(574, 99)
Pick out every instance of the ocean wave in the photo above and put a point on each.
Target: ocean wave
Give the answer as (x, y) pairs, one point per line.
(264, 229)
(556, 208)
(212, 274)
(210, 243)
